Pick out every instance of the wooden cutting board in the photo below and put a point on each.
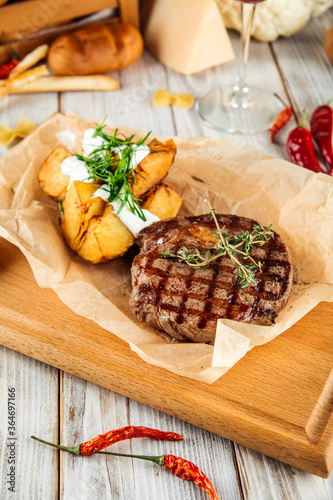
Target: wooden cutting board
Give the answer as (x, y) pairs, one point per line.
(278, 400)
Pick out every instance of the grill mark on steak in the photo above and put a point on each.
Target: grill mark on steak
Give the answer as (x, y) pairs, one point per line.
(188, 282)
(260, 286)
(209, 302)
(156, 292)
(150, 270)
(232, 302)
(187, 302)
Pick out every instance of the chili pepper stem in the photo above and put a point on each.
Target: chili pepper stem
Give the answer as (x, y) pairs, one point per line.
(156, 460)
(303, 121)
(75, 449)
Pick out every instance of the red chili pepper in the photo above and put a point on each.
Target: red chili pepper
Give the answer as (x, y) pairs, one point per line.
(104, 440)
(322, 127)
(5, 69)
(111, 437)
(187, 470)
(281, 121)
(178, 466)
(300, 148)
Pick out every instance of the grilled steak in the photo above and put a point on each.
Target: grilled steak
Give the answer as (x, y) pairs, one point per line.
(185, 302)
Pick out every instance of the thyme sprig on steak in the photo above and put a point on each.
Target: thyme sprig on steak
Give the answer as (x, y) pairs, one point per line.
(231, 246)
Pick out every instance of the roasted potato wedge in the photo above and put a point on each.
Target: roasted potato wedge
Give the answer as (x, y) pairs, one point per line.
(162, 201)
(152, 169)
(51, 179)
(90, 226)
(78, 208)
(106, 238)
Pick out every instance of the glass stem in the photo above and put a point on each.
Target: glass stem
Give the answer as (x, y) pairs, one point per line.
(247, 15)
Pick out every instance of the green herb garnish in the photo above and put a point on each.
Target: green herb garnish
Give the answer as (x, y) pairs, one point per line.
(231, 246)
(110, 164)
(61, 206)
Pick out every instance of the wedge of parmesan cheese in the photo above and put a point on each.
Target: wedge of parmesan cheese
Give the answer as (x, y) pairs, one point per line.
(185, 35)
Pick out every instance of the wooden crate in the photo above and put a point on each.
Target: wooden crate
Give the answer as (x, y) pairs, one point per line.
(32, 22)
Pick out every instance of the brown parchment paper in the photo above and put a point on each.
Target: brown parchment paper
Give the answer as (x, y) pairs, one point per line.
(235, 179)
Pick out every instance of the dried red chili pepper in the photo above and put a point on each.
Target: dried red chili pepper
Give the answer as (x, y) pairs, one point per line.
(129, 432)
(321, 124)
(187, 470)
(104, 440)
(281, 121)
(300, 148)
(179, 467)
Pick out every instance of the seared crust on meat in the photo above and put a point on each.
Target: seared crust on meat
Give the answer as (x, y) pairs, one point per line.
(185, 302)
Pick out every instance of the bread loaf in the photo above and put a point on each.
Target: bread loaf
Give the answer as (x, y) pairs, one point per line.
(95, 49)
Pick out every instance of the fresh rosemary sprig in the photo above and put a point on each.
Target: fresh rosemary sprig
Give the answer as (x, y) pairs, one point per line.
(111, 164)
(231, 246)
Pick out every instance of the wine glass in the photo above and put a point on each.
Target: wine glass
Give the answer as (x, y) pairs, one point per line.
(241, 108)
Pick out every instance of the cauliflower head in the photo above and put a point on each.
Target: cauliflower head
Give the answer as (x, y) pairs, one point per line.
(274, 18)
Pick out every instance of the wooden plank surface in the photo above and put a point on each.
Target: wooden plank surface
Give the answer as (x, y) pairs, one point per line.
(237, 471)
(36, 404)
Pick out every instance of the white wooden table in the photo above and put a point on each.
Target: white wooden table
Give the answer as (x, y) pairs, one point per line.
(54, 404)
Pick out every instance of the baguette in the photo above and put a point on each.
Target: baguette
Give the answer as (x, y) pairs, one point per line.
(95, 49)
(66, 84)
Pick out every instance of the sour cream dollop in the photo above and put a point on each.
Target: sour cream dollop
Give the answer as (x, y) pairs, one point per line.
(77, 171)
(132, 221)
(91, 143)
